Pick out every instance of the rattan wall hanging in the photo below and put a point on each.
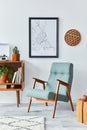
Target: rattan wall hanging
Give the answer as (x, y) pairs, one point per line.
(72, 37)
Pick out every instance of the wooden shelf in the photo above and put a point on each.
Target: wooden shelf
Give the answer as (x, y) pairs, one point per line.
(10, 61)
(11, 89)
(10, 83)
(17, 86)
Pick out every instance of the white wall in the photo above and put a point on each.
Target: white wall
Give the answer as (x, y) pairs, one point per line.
(14, 30)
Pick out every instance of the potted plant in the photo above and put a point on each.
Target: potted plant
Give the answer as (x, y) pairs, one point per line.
(5, 74)
(10, 74)
(15, 55)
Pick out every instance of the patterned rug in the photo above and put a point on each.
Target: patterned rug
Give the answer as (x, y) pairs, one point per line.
(21, 123)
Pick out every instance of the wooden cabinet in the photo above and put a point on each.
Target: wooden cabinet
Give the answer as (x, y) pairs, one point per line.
(13, 86)
(81, 111)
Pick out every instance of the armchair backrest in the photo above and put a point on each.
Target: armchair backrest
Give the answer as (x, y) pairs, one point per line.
(62, 71)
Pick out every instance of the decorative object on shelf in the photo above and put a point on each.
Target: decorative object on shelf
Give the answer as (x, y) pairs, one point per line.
(5, 74)
(4, 57)
(15, 55)
(43, 37)
(72, 37)
(4, 51)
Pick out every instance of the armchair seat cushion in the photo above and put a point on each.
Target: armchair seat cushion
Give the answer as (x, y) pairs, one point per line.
(44, 94)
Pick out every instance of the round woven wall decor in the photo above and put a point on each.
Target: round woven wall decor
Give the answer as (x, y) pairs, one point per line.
(72, 37)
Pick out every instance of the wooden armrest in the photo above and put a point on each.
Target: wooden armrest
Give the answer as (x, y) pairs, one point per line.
(63, 83)
(40, 81)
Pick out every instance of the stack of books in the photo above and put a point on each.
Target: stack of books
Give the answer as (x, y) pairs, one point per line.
(17, 77)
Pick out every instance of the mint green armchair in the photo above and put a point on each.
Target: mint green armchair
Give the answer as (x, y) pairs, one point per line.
(57, 88)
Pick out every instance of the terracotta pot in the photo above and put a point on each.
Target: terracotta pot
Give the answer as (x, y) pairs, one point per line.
(3, 78)
(84, 98)
(15, 57)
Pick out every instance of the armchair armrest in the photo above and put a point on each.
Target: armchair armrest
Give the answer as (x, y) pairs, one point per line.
(57, 89)
(63, 83)
(39, 81)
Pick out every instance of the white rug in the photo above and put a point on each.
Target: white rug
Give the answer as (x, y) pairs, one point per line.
(21, 123)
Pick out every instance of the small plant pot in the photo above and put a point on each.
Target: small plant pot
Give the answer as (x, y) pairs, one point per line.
(15, 57)
(3, 78)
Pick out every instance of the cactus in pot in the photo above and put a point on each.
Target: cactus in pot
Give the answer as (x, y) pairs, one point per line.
(15, 55)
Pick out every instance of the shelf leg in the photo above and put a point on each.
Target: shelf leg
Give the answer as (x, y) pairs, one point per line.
(18, 98)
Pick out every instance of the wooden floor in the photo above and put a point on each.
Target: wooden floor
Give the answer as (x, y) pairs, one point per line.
(64, 119)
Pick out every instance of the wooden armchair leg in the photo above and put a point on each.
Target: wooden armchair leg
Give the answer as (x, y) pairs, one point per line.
(55, 101)
(71, 104)
(69, 96)
(55, 104)
(29, 105)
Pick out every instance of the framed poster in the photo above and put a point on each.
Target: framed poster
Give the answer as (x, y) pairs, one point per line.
(43, 37)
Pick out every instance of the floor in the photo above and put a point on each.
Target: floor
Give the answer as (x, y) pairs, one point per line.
(64, 119)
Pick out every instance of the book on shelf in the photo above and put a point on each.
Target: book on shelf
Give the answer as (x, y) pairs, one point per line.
(14, 77)
(17, 77)
(20, 74)
(13, 80)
